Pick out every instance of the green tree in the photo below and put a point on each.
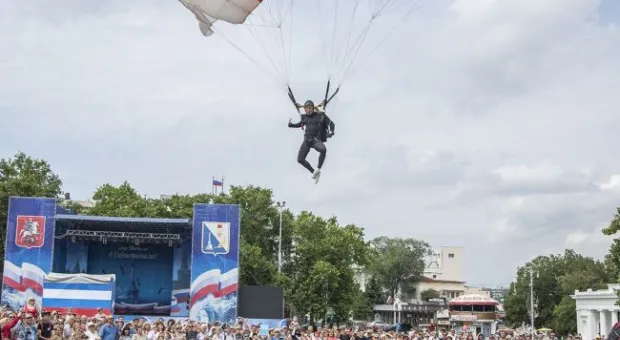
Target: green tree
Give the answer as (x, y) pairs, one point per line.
(612, 261)
(374, 292)
(614, 225)
(24, 176)
(564, 316)
(362, 306)
(320, 269)
(123, 201)
(429, 294)
(555, 277)
(398, 263)
(255, 267)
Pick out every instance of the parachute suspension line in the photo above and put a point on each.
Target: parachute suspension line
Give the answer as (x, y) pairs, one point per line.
(356, 48)
(328, 98)
(271, 75)
(275, 11)
(267, 54)
(327, 68)
(331, 56)
(407, 14)
(353, 51)
(286, 58)
(290, 45)
(378, 11)
(381, 7)
(357, 3)
(291, 96)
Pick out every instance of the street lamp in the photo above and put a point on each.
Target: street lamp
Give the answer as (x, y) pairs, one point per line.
(280, 206)
(532, 303)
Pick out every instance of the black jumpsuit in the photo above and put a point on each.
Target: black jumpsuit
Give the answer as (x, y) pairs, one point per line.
(315, 135)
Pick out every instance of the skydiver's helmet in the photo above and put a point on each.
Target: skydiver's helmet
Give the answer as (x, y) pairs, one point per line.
(309, 106)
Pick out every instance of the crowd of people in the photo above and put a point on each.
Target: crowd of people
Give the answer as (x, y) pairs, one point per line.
(29, 324)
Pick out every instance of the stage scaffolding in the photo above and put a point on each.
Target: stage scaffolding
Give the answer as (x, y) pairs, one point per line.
(123, 236)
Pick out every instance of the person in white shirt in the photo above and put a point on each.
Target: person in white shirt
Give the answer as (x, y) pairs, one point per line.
(68, 327)
(91, 332)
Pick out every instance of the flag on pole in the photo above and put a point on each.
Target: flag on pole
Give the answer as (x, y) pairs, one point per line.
(215, 184)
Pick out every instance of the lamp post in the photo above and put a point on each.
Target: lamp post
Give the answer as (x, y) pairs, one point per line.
(280, 206)
(532, 311)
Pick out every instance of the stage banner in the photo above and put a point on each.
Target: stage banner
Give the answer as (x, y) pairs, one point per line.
(181, 276)
(143, 275)
(215, 263)
(28, 249)
(76, 257)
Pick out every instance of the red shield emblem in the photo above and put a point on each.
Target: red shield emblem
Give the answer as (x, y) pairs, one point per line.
(30, 231)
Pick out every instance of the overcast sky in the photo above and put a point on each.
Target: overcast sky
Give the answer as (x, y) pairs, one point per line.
(487, 124)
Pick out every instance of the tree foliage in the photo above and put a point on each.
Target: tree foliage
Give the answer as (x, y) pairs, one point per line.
(555, 277)
(321, 268)
(24, 176)
(374, 292)
(398, 263)
(612, 261)
(362, 306)
(429, 294)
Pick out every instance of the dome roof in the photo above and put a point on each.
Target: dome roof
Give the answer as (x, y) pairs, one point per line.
(473, 299)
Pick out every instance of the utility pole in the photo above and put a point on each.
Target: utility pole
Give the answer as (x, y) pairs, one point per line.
(532, 302)
(280, 206)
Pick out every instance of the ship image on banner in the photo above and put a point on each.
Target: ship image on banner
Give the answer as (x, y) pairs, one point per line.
(215, 238)
(30, 231)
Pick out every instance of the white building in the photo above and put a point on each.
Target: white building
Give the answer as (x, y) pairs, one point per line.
(477, 291)
(446, 263)
(597, 311)
(444, 273)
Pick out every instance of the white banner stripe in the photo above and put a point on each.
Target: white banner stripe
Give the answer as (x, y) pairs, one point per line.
(104, 295)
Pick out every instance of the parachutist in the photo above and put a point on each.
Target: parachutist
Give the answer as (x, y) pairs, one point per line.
(318, 127)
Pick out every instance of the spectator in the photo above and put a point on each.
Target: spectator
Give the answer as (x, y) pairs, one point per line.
(91, 331)
(45, 327)
(109, 330)
(26, 328)
(125, 334)
(31, 307)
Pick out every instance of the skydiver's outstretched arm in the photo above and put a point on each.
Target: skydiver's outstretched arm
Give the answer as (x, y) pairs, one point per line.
(299, 124)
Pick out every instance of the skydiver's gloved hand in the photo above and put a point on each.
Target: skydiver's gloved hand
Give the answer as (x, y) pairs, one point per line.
(330, 134)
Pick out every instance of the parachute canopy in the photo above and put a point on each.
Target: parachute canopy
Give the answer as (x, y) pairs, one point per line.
(209, 11)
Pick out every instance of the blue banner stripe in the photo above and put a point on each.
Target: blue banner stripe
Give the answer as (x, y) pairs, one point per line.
(70, 303)
(76, 286)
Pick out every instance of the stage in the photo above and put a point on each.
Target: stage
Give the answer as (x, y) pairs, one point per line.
(161, 267)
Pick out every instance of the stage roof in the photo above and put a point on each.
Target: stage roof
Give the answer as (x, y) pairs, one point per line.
(136, 221)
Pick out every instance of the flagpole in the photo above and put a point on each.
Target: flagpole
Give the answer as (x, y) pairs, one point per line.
(223, 184)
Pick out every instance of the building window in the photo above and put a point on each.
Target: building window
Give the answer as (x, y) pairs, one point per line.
(434, 276)
(450, 256)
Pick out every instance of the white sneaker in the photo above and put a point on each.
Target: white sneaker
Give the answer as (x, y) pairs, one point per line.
(316, 175)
